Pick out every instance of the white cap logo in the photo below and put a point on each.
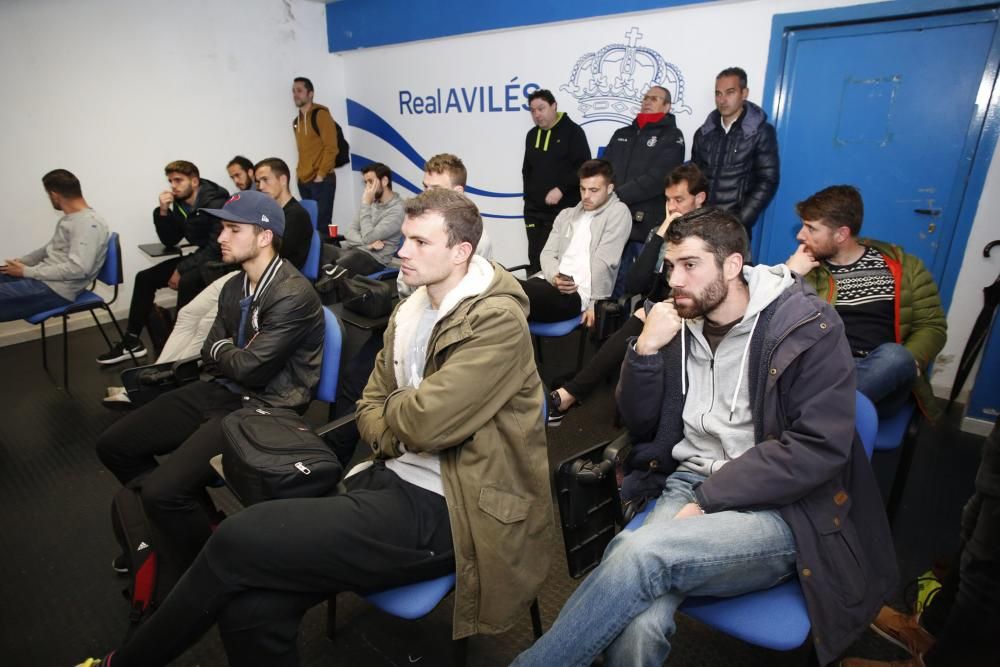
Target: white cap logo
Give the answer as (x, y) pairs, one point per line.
(263, 218)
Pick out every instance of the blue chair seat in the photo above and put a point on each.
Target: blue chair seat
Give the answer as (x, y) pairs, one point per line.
(892, 429)
(413, 601)
(553, 329)
(84, 301)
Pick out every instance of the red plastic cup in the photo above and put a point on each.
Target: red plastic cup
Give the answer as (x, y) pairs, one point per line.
(333, 231)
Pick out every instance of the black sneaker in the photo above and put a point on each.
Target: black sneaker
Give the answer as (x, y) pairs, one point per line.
(120, 564)
(555, 415)
(120, 353)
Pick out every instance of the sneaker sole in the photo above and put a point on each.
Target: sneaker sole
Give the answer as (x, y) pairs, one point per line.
(122, 357)
(119, 570)
(889, 638)
(554, 423)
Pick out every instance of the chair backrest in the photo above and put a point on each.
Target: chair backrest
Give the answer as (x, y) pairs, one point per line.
(111, 272)
(326, 390)
(866, 422)
(312, 208)
(311, 268)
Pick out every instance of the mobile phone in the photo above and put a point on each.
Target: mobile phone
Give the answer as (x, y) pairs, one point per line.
(565, 277)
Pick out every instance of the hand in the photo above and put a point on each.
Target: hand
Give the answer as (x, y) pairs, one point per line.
(368, 196)
(175, 280)
(688, 511)
(588, 318)
(318, 179)
(166, 200)
(553, 196)
(662, 231)
(564, 286)
(377, 244)
(14, 269)
(801, 261)
(660, 326)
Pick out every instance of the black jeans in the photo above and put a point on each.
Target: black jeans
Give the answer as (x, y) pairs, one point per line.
(323, 193)
(547, 303)
(187, 424)
(267, 565)
(149, 280)
(537, 225)
(606, 362)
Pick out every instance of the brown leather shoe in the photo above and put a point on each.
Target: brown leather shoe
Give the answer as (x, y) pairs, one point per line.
(862, 662)
(903, 630)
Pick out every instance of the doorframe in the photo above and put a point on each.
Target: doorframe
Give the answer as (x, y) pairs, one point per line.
(988, 119)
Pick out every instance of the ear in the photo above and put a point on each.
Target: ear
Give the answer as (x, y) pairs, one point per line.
(462, 252)
(458, 188)
(384, 181)
(611, 188)
(699, 199)
(667, 110)
(842, 234)
(264, 238)
(195, 181)
(733, 266)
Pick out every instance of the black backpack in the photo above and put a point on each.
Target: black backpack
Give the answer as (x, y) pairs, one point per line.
(343, 148)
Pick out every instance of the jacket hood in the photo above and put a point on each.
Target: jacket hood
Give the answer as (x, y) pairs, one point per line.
(766, 283)
(752, 119)
(612, 200)
(208, 191)
(482, 279)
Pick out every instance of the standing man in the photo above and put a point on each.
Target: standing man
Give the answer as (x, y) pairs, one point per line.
(642, 154)
(738, 151)
(739, 398)
(240, 169)
(272, 179)
(264, 349)
(373, 237)
(553, 151)
(54, 275)
(887, 298)
(316, 140)
(580, 258)
(458, 482)
(178, 217)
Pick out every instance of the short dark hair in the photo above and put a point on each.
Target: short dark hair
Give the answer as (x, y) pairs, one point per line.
(738, 72)
(461, 217)
(690, 173)
(277, 166)
(452, 165)
(63, 183)
(592, 168)
(305, 82)
(722, 233)
(835, 206)
(242, 162)
(541, 94)
(380, 170)
(275, 239)
(666, 93)
(182, 167)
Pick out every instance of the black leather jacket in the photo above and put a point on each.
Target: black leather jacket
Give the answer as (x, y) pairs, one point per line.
(642, 158)
(277, 360)
(742, 166)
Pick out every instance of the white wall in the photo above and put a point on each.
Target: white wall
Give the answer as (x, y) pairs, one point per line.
(115, 89)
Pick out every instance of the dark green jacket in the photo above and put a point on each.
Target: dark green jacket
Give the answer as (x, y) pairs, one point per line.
(920, 323)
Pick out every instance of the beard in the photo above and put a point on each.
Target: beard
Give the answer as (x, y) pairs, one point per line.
(704, 303)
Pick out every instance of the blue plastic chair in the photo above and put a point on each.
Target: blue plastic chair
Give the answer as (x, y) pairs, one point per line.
(557, 330)
(333, 341)
(112, 275)
(899, 429)
(312, 208)
(311, 268)
(775, 618)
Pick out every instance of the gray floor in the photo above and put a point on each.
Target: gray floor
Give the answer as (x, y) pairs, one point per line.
(60, 601)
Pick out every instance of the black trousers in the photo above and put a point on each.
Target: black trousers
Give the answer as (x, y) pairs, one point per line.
(149, 280)
(267, 565)
(547, 303)
(606, 362)
(538, 226)
(187, 424)
(355, 260)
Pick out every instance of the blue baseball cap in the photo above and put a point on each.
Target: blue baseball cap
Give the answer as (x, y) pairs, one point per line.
(250, 207)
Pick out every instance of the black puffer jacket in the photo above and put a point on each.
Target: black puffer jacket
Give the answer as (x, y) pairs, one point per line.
(742, 166)
(642, 158)
(198, 228)
(278, 363)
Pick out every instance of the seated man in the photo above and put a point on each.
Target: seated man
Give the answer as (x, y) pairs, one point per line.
(273, 176)
(459, 482)
(580, 258)
(54, 275)
(373, 236)
(739, 395)
(265, 349)
(240, 170)
(686, 188)
(888, 300)
(178, 217)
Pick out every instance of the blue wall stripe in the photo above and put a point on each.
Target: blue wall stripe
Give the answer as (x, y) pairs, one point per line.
(356, 24)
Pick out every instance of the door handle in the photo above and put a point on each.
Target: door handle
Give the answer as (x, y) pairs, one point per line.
(928, 211)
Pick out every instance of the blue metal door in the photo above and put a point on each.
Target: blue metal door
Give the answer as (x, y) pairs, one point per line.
(894, 107)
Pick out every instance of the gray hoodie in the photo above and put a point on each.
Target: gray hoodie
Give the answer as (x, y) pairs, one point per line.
(378, 222)
(718, 424)
(73, 258)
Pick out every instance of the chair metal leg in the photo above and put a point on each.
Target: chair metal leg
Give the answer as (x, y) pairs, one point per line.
(461, 651)
(582, 350)
(536, 619)
(45, 356)
(908, 449)
(121, 334)
(65, 319)
(331, 617)
(100, 327)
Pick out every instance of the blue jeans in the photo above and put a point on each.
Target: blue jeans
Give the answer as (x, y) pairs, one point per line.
(23, 297)
(627, 604)
(886, 376)
(323, 193)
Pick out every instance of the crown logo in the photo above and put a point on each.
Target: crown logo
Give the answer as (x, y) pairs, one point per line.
(610, 84)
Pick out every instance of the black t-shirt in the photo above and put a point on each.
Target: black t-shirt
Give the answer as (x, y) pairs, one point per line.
(714, 333)
(865, 295)
(298, 233)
